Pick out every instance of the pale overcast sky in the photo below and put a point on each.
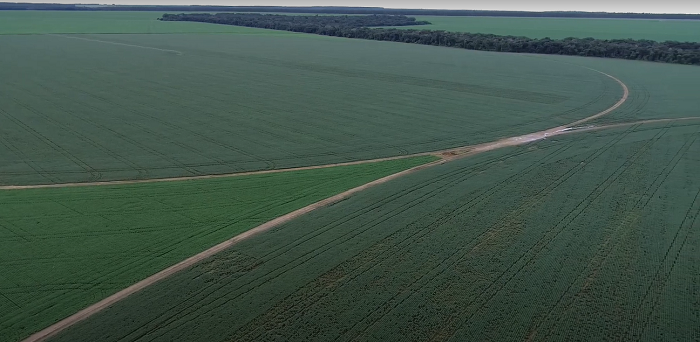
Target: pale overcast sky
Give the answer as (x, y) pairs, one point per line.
(648, 6)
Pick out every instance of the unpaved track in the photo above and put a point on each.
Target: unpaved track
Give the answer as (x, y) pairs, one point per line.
(226, 175)
(92, 309)
(446, 156)
(633, 123)
(117, 43)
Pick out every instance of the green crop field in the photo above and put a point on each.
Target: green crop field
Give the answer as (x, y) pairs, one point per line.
(558, 28)
(657, 90)
(65, 22)
(63, 249)
(105, 107)
(592, 236)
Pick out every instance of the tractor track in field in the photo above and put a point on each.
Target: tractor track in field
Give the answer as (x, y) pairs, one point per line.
(179, 53)
(444, 155)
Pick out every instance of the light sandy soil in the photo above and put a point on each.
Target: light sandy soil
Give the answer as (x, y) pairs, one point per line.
(446, 156)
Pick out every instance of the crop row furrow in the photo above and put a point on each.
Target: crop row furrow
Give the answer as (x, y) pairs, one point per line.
(28, 161)
(157, 119)
(130, 140)
(141, 171)
(569, 298)
(249, 214)
(653, 293)
(451, 324)
(204, 302)
(392, 245)
(549, 235)
(53, 145)
(447, 263)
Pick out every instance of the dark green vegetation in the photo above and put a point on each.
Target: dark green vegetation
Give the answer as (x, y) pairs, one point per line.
(40, 22)
(657, 91)
(104, 107)
(63, 249)
(359, 27)
(560, 28)
(296, 23)
(591, 236)
(341, 10)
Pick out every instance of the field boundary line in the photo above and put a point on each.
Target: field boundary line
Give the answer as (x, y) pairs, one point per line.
(447, 154)
(179, 53)
(224, 175)
(632, 123)
(444, 155)
(191, 261)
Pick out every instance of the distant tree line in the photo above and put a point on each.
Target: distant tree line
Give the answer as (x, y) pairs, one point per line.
(341, 10)
(319, 24)
(359, 27)
(12, 6)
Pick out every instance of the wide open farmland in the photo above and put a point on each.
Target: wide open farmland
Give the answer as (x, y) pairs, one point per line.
(559, 28)
(591, 235)
(158, 188)
(112, 22)
(106, 107)
(62, 249)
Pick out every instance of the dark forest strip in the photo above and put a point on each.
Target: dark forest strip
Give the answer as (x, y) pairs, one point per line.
(343, 10)
(318, 24)
(365, 27)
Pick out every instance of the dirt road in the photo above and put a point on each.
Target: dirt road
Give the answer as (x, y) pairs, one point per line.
(179, 53)
(97, 307)
(226, 175)
(446, 156)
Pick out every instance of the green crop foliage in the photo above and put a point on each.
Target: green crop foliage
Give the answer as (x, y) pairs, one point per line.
(79, 22)
(63, 249)
(591, 236)
(557, 28)
(65, 22)
(104, 107)
(657, 91)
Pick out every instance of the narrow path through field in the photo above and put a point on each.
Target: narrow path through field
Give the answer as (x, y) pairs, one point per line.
(226, 175)
(445, 156)
(116, 43)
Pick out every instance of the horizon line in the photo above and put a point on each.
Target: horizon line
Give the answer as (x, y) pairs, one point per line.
(338, 6)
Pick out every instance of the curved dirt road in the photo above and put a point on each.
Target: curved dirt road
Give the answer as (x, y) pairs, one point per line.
(445, 155)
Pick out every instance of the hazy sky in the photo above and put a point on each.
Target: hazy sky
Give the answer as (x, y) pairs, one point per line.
(650, 6)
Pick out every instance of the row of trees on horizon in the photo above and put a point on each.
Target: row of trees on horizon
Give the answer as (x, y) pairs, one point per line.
(342, 10)
(297, 23)
(370, 27)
